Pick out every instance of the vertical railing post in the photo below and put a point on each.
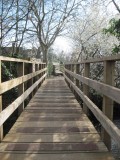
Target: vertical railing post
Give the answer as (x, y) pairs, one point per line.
(41, 73)
(69, 68)
(44, 71)
(1, 127)
(21, 71)
(109, 69)
(30, 67)
(66, 67)
(39, 66)
(42, 66)
(72, 69)
(85, 87)
(34, 79)
(36, 69)
(77, 70)
(72, 78)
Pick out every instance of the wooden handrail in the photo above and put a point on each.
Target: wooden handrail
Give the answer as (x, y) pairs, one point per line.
(97, 60)
(107, 89)
(34, 75)
(5, 114)
(9, 59)
(5, 86)
(106, 123)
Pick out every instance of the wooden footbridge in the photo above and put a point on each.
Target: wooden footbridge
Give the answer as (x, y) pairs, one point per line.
(53, 126)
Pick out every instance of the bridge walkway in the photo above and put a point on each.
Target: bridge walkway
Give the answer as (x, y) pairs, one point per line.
(53, 127)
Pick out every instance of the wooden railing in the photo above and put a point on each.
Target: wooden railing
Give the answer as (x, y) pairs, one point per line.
(105, 88)
(31, 74)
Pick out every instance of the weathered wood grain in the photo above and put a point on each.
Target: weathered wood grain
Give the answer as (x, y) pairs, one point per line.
(63, 156)
(5, 86)
(55, 128)
(108, 125)
(12, 107)
(97, 60)
(107, 90)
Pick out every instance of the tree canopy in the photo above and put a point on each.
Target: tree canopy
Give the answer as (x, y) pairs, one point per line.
(37, 24)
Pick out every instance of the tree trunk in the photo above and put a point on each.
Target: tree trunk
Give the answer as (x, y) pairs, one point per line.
(45, 53)
(45, 56)
(38, 55)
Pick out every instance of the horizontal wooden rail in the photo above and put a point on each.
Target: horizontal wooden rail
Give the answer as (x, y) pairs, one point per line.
(2, 58)
(5, 86)
(4, 115)
(31, 75)
(107, 90)
(106, 122)
(97, 60)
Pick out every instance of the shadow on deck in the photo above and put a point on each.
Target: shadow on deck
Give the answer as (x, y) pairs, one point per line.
(53, 126)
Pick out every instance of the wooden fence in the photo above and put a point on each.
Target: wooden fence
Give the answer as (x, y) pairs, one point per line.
(30, 76)
(105, 88)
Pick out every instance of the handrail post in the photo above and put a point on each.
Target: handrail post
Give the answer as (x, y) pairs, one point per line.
(66, 67)
(21, 72)
(72, 78)
(77, 72)
(1, 127)
(70, 68)
(85, 87)
(39, 74)
(36, 69)
(31, 80)
(73, 70)
(77, 82)
(68, 74)
(109, 69)
(34, 79)
(44, 71)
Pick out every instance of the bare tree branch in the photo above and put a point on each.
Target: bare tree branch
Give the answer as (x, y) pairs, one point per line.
(117, 7)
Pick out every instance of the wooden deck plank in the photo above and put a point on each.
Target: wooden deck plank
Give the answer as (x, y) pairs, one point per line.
(54, 105)
(53, 126)
(78, 124)
(53, 101)
(51, 118)
(63, 156)
(57, 137)
(61, 147)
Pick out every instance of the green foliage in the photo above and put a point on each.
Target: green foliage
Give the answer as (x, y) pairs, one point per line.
(116, 49)
(50, 68)
(6, 75)
(114, 29)
(9, 71)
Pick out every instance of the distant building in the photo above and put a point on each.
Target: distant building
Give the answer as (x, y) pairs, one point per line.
(23, 53)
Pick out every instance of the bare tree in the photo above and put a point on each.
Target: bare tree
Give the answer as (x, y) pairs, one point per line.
(13, 23)
(48, 20)
(88, 34)
(6, 8)
(116, 5)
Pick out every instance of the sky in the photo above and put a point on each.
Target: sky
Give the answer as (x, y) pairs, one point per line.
(62, 44)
